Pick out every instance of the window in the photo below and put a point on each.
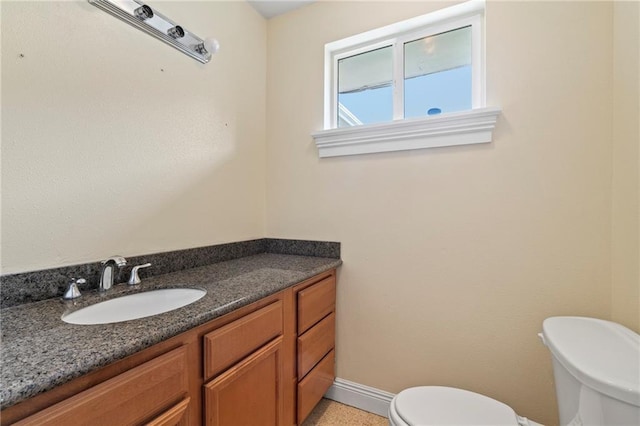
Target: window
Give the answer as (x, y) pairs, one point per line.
(365, 93)
(437, 73)
(405, 86)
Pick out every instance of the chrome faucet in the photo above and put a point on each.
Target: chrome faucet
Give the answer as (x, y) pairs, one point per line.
(108, 267)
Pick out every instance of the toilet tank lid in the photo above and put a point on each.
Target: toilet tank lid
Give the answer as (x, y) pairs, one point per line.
(601, 354)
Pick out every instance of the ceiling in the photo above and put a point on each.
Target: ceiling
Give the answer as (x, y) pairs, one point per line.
(269, 8)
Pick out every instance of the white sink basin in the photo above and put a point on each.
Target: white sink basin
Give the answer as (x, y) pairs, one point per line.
(134, 306)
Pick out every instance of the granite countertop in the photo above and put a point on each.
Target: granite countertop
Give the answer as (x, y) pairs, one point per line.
(39, 351)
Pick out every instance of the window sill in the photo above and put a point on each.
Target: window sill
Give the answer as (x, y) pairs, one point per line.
(456, 128)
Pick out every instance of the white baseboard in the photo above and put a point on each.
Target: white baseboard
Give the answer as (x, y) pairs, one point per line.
(363, 397)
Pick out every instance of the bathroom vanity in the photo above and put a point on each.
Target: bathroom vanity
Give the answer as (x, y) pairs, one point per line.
(270, 343)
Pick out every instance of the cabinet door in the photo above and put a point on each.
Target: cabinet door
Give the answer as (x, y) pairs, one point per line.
(249, 393)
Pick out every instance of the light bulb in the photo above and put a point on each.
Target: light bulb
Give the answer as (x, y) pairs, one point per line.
(212, 45)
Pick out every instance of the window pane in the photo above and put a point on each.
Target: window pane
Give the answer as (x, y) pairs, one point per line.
(365, 94)
(437, 72)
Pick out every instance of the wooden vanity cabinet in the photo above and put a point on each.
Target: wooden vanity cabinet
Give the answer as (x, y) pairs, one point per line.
(273, 366)
(267, 363)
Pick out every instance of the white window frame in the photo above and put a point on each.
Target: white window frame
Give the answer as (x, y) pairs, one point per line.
(457, 128)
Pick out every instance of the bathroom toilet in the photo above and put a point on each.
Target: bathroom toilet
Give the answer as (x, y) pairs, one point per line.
(596, 367)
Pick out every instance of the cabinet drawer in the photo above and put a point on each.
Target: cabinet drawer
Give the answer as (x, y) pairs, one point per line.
(315, 303)
(229, 344)
(133, 397)
(315, 344)
(314, 385)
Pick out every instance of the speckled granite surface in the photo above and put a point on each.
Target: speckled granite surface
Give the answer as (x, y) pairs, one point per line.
(29, 287)
(39, 351)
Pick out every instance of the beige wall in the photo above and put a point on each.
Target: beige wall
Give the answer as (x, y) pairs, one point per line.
(113, 142)
(626, 173)
(454, 256)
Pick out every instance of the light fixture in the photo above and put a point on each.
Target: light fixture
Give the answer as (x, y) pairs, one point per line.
(153, 23)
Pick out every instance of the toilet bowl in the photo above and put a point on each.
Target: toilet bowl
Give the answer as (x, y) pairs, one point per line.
(596, 366)
(439, 405)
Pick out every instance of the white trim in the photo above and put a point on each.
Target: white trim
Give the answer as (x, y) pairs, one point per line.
(478, 67)
(456, 128)
(363, 397)
(330, 81)
(398, 80)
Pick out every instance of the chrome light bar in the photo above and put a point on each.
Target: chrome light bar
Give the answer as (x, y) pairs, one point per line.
(159, 26)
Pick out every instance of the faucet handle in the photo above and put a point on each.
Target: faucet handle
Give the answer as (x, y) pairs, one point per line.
(135, 279)
(72, 290)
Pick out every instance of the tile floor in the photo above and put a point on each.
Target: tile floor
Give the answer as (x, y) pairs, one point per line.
(331, 413)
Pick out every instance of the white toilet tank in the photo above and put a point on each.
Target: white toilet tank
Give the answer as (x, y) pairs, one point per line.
(596, 365)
